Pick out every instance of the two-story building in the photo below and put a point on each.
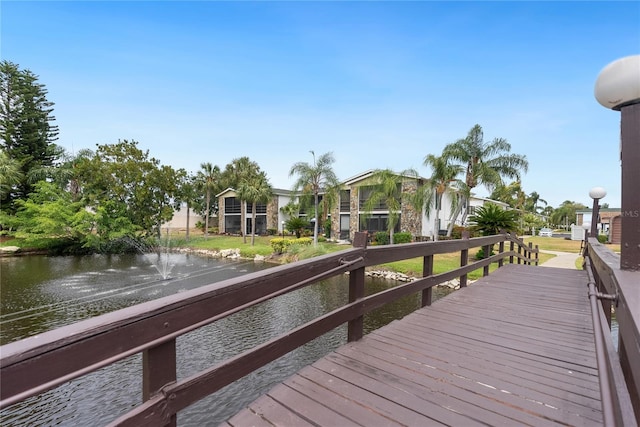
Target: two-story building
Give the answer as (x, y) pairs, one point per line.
(348, 215)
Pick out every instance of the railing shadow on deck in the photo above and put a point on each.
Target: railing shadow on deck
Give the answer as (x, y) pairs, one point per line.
(619, 371)
(33, 365)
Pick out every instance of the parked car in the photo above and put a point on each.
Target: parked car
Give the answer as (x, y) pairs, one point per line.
(545, 232)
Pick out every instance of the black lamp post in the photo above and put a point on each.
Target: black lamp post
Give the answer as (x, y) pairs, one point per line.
(618, 88)
(596, 193)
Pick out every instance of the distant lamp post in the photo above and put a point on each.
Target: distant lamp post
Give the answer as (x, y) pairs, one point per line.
(596, 193)
(618, 88)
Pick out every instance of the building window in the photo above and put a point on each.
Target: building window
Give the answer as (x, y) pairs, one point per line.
(365, 194)
(232, 205)
(344, 226)
(232, 224)
(374, 223)
(261, 208)
(261, 225)
(345, 201)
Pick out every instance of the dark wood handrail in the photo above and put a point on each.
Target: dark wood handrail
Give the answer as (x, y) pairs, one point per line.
(619, 372)
(34, 365)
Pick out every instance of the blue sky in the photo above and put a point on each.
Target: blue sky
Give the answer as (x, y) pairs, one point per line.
(379, 84)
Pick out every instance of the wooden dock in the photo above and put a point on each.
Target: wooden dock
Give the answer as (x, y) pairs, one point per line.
(515, 348)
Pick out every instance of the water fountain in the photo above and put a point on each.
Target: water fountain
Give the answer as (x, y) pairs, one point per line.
(158, 256)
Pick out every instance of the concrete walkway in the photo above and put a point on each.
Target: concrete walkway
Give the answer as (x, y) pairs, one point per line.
(561, 259)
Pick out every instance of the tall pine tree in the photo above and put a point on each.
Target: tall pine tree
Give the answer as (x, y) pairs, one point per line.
(26, 130)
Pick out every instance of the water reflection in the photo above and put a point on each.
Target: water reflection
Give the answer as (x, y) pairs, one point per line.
(41, 293)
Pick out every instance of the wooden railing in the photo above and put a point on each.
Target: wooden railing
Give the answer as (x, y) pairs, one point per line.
(619, 371)
(34, 365)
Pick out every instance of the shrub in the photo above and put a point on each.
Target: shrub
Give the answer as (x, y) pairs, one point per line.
(490, 219)
(296, 225)
(272, 231)
(403, 237)
(381, 238)
(200, 225)
(602, 238)
(280, 245)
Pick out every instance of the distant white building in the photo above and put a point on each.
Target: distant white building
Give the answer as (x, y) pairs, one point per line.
(179, 220)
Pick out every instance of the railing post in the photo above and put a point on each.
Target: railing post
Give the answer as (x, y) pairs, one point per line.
(464, 260)
(606, 304)
(487, 254)
(537, 255)
(529, 252)
(427, 270)
(501, 250)
(519, 253)
(511, 250)
(158, 370)
(356, 290)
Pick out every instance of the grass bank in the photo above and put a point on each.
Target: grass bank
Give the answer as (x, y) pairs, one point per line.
(412, 267)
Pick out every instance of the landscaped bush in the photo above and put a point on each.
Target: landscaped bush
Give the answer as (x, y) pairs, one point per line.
(403, 237)
(281, 245)
(602, 238)
(272, 231)
(381, 238)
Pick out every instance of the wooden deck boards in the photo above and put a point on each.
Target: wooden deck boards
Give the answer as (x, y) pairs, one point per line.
(515, 348)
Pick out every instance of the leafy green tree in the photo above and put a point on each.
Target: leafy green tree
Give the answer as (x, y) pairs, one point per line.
(385, 187)
(255, 189)
(484, 163)
(442, 180)
(490, 219)
(26, 130)
(64, 172)
(10, 173)
(313, 179)
(50, 212)
(126, 183)
(208, 180)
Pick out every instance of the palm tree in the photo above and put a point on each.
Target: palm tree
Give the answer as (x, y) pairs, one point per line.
(312, 179)
(386, 190)
(255, 189)
(443, 175)
(485, 163)
(208, 180)
(532, 202)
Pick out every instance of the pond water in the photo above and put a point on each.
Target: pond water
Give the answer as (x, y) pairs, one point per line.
(41, 293)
